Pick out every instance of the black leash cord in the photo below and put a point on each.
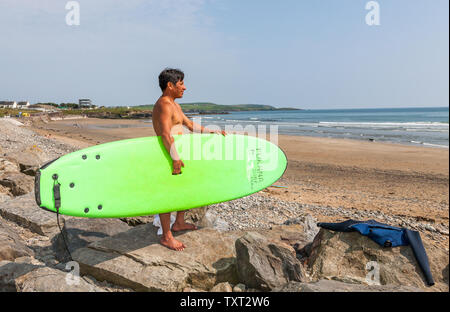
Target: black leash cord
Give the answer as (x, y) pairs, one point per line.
(57, 205)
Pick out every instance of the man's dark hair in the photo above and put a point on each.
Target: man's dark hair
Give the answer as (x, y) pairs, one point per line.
(170, 75)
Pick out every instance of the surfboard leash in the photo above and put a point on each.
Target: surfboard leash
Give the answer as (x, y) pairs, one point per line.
(57, 196)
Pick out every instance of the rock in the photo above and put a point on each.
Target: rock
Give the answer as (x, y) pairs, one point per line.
(265, 264)
(26, 161)
(29, 260)
(135, 221)
(51, 280)
(135, 259)
(9, 271)
(354, 258)
(292, 235)
(445, 274)
(189, 289)
(28, 169)
(222, 287)
(11, 245)
(17, 183)
(309, 225)
(79, 232)
(28, 157)
(336, 286)
(3, 197)
(197, 216)
(206, 217)
(24, 211)
(214, 221)
(8, 166)
(239, 288)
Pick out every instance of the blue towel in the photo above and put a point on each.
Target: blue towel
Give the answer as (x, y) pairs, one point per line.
(387, 236)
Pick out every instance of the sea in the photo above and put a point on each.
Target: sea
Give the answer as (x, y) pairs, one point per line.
(411, 126)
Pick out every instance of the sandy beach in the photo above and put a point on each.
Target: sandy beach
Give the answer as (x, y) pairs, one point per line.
(395, 180)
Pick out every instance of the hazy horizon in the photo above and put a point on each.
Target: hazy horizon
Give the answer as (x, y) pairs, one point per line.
(299, 54)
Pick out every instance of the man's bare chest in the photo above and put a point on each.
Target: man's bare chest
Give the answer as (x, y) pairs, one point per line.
(177, 116)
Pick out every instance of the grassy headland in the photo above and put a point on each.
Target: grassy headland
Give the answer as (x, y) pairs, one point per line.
(144, 111)
(207, 107)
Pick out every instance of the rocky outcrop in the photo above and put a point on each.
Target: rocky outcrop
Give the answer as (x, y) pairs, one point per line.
(293, 234)
(308, 224)
(336, 286)
(137, 260)
(79, 232)
(24, 211)
(10, 271)
(51, 280)
(265, 264)
(17, 183)
(11, 245)
(28, 159)
(354, 258)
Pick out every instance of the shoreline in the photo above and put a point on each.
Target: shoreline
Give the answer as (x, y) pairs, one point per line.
(343, 177)
(84, 132)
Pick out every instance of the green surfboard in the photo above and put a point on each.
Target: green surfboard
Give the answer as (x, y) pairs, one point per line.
(133, 177)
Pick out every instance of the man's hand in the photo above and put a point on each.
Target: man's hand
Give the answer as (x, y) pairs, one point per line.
(222, 132)
(177, 164)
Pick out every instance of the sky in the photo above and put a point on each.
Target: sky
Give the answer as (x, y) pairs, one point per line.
(290, 53)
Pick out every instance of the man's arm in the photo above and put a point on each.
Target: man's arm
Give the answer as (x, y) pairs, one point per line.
(165, 120)
(194, 127)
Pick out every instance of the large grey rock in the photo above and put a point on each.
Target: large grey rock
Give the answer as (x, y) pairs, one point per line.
(309, 226)
(264, 263)
(17, 183)
(24, 211)
(135, 259)
(214, 221)
(79, 232)
(336, 286)
(11, 245)
(29, 158)
(51, 280)
(10, 271)
(354, 258)
(206, 217)
(293, 234)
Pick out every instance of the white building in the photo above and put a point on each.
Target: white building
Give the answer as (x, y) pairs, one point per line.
(23, 104)
(8, 104)
(85, 103)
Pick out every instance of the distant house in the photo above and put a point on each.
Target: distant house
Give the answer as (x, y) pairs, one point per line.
(8, 104)
(23, 104)
(86, 103)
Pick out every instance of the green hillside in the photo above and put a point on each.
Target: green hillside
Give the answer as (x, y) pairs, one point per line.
(205, 107)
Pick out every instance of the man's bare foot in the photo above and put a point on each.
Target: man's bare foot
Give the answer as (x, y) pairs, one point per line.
(183, 226)
(172, 243)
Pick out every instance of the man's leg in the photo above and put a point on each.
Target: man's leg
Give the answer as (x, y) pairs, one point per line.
(180, 224)
(167, 238)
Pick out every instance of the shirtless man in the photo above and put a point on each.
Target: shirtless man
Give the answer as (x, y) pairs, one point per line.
(169, 119)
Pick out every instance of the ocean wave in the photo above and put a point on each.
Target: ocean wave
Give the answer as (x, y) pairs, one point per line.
(429, 144)
(386, 124)
(435, 145)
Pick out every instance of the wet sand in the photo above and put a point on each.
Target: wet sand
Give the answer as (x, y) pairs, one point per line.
(398, 180)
